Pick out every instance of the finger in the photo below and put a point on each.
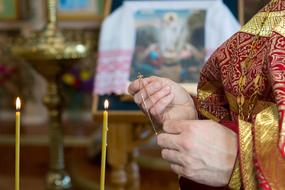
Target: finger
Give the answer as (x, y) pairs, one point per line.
(160, 106)
(158, 96)
(168, 141)
(147, 91)
(172, 156)
(136, 85)
(150, 89)
(177, 169)
(173, 126)
(138, 90)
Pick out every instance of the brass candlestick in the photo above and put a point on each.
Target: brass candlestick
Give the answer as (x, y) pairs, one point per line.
(51, 55)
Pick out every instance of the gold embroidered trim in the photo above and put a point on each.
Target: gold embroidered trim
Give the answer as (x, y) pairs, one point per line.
(206, 91)
(232, 100)
(260, 105)
(280, 28)
(208, 115)
(204, 94)
(246, 155)
(269, 158)
(235, 181)
(255, 24)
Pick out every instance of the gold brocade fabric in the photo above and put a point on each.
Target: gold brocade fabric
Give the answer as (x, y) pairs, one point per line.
(209, 91)
(266, 142)
(273, 20)
(265, 130)
(260, 163)
(246, 155)
(235, 182)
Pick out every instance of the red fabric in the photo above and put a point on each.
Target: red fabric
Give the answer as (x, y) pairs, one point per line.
(223, 72)
(232, 125)
(277, 72)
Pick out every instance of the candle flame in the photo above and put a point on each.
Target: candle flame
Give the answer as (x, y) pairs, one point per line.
(106, 104)
(18, 103)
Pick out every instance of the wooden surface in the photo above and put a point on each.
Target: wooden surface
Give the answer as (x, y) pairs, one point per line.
(84, 169)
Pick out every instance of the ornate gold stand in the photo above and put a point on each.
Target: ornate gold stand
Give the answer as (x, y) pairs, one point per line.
(51, 55)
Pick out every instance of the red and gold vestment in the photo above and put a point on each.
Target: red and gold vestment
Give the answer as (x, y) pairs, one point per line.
(256, 111)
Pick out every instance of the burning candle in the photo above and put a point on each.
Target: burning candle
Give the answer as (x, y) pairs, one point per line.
(104, 145)
(17, 144)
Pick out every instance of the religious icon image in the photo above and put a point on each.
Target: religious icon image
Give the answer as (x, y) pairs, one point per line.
(169, 43)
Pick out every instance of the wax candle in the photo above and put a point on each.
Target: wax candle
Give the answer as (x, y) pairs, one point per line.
(104, 145)
(17, 144)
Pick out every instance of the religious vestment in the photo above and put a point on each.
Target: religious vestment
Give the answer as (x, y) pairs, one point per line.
(242, 86)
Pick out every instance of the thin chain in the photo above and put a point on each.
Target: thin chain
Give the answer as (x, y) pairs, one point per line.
(244, 71)
(140, 77)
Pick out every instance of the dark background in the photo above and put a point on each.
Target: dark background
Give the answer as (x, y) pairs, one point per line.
(232, 4)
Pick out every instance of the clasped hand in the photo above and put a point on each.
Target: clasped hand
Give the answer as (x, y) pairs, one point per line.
(200, 150)
(163, 98)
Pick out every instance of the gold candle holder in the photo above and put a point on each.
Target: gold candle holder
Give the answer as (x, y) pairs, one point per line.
(51, 55)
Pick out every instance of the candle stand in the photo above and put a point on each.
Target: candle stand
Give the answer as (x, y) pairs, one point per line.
(51, 55)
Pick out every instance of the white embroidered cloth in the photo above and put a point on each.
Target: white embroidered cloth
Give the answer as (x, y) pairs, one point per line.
(118, 35)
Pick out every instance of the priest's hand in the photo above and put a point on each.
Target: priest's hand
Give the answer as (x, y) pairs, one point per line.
(163, 98)
(200, 150)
